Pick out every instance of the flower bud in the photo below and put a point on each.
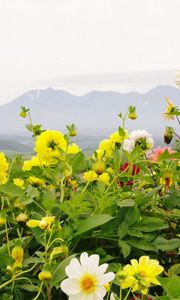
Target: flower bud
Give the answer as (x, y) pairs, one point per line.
(168, 134)
(72, 130)
(2, 220)
(45, 275)
(22, 217)
(23, 114)
(61, 252)
(17, 253)
(132, 112)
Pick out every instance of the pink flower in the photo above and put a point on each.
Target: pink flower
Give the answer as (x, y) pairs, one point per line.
(155, 156)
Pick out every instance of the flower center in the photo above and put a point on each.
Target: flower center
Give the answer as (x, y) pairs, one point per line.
(52, 144)
(88, 283)
(142, 273)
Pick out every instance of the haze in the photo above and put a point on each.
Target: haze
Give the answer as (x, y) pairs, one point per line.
(82, 45)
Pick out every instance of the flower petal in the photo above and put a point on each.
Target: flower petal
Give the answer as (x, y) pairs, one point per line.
(83, 258)
(74, 269)
(101, 269)
(106, 277)
(100, 292)
(70, 286)
(79, 296)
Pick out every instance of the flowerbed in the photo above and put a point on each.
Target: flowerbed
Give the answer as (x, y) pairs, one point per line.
(91, 228)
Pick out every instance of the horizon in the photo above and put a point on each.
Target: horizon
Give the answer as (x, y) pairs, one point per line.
(88, 92)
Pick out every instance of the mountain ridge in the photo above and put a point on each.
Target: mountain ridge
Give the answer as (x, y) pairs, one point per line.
(95, 110)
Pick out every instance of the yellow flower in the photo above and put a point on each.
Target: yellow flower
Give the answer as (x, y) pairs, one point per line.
(98, 154)
(90, 176)
(73, 149)
(115, 137)
(140, 275)
(33, 162)
(99, 167)
(45, 275)
(36, 181)
(49, 144)
(107, 147)
(19, 182)
(22, 217)
(104, 177)
(33, 223)
(45, 223)
(3, 168)
(17, 253)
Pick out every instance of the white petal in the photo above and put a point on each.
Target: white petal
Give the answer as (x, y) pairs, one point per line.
(74, 269)
(100, 292)
(93, 261)
(91, 264)
(70, 286)
(101, 269)
(84, 258)
(90, 296)
(79, 296)
(106, 278)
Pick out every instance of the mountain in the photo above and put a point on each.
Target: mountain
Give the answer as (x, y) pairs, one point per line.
(95, 113)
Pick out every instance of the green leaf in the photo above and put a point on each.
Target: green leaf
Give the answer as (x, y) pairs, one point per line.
(142, 244)
(28, 287)
(171, 286)
(33, 260)
(126, 203)
(135, 233)
(49, 200)
(123, 230)
(92, 222)
(11, 190)
(121, 131)
(59, 272)
(125, 248)
(174, 270)
(5, 260)
(132, 216)
(166, 245)
(148, 224)
(77, 162)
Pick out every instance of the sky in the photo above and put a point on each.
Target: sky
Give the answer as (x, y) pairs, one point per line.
(84, 45)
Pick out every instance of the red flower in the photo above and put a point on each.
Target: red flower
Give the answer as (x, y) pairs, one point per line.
(135, 170)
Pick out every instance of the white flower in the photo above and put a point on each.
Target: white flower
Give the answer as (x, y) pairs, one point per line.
(143, 138)
(86, 278)
(138, 134)
(128, 145)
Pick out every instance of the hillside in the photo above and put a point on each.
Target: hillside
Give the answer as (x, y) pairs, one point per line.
(95, 113)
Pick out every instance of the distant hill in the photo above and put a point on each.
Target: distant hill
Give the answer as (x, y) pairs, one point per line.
(95, 113)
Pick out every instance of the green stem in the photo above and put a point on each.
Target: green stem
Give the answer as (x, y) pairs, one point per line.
(39, 206)
(120, 295)
(62, 190)
(7, 238)
(39, 292)
(87, 184)
(15, 276)
(57, 239)
(127, 294)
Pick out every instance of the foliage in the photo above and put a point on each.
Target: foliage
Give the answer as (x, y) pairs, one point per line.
(122, 203)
